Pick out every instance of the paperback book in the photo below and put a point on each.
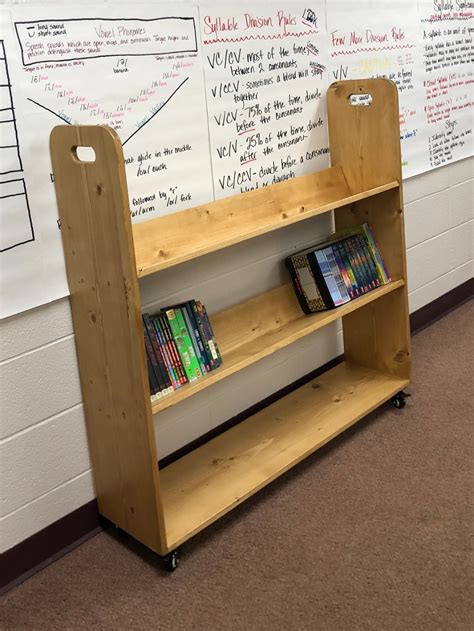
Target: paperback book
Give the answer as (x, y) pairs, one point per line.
(180, 347)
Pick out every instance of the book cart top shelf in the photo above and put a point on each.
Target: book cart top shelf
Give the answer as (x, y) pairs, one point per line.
(166, 241)
(105, 257)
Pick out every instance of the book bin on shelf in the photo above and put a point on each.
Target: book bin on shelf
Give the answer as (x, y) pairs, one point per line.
(105, 256)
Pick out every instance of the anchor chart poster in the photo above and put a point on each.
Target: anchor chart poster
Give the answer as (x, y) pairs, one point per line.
(266, 80)
(137, 70)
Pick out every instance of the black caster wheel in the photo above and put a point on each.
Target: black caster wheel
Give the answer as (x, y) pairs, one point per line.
(398, 401)
(172, 561)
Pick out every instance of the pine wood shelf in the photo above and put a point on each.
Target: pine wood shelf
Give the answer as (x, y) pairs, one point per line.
(164, 242)
(211, 480)
(105, 257)
(258, 327)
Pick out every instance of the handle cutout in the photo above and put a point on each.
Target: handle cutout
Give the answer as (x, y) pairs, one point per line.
(83, 153)
(360, 100)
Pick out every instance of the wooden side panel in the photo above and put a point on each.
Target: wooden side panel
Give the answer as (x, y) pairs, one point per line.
(365, 142)
(97, 238)
(376, 336)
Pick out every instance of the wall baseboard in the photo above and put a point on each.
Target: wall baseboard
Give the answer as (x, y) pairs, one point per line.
(440, 307)
(57, 539)
(48, 545)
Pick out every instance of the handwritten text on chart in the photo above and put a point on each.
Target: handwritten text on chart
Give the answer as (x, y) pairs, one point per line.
(447, 44)
(265, 83)
(86, 38)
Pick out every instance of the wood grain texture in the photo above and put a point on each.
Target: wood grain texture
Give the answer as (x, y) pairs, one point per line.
(365, 142)
(212, 480)
(261, 326)
(165, 241)
(104, 261)
(380, 336)
(97, 239)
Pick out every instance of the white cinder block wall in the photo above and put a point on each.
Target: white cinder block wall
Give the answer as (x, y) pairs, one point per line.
(44, 461)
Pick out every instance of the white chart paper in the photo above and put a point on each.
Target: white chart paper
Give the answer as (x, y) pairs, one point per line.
(142, 75)
(448, 53)
(266, 80)
(208, 101)
(380, 39)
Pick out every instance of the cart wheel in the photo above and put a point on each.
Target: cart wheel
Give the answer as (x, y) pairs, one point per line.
(398, 401)
(172, 561)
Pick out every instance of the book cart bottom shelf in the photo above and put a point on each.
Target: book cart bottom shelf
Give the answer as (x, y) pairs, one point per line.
(210, 481)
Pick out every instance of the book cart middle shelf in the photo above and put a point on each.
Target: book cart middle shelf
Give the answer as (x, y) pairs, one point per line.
(105, 257)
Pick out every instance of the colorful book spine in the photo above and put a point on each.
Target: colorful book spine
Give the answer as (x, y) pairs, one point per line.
(209, 333)
(183, 342)
(340, 247)
(333, 297)
(354, 239)
(371, 262)
(375, 251)
(343, 270)
(183, 322)
(151, 378)
(165, 352)
(366, 261)
(356, 265)
(173, 349)
(156, 383)
(369, 236)
(207, 351)
(195, 338)
(337, 275)
(159, 364)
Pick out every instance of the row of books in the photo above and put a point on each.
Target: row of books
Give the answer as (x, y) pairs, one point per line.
(180, 347)
(334, 272)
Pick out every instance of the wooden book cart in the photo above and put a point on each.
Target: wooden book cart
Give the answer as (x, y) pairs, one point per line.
(105, 256)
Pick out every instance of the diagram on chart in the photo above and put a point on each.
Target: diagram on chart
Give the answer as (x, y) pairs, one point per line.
(10, 159)
(61, 56)
(140, 76)
(113, 119)
(15, 216)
